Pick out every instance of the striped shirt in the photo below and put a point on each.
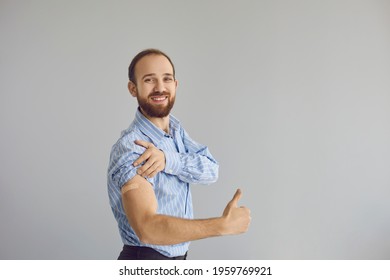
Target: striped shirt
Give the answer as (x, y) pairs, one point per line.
(186, 162)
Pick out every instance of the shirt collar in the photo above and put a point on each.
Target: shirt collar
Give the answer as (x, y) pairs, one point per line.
(153, 132)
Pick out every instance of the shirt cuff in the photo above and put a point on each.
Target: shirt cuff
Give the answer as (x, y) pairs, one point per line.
(173, 164)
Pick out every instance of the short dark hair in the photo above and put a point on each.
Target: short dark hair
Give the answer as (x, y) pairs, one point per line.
(141, 55)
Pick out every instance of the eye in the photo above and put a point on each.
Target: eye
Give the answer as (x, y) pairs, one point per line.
(168, 79)
(148, 80)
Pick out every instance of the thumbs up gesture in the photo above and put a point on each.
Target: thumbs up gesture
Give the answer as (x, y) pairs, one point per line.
(236, 218)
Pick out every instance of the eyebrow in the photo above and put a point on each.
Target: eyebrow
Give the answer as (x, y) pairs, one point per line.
(154, 74)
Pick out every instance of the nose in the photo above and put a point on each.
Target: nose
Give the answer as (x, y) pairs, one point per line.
(159, 86)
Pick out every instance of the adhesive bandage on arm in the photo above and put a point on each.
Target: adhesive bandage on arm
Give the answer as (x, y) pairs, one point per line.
(129, 187)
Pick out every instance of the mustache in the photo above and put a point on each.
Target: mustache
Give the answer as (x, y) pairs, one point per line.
(159, 93)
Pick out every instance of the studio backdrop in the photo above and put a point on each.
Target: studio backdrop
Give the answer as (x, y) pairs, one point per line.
(291, 97)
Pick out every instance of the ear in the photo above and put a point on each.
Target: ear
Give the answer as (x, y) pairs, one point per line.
(132, 88)
(176, 83)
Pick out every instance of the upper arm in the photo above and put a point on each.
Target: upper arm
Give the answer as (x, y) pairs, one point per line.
(139, 202)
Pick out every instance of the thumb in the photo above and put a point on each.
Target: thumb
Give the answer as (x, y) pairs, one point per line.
(236, 198)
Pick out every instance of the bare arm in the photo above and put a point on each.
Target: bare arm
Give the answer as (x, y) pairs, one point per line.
(140, 205)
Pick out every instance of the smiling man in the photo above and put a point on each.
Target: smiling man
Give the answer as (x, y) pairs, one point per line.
(152, 166)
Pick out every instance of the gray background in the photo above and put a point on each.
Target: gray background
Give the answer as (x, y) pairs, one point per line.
(292, 97)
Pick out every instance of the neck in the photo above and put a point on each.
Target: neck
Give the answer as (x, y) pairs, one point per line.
(162, 123)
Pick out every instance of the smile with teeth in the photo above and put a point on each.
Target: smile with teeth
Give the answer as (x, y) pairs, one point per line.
(159, 98)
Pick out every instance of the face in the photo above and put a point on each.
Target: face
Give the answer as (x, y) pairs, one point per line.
(155, 86)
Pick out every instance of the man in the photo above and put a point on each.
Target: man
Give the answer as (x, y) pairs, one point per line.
(151, 167)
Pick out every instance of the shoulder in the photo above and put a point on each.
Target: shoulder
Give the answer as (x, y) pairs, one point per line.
(125, 143)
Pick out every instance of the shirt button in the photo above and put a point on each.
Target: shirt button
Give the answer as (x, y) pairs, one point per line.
(170, 170)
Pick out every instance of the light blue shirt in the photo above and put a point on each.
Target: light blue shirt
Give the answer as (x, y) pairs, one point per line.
(186, 162)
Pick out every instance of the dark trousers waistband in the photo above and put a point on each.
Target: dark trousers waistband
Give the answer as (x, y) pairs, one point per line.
(144, 253)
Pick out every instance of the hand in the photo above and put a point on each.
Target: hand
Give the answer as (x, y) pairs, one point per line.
(154, 160)
(237, 218)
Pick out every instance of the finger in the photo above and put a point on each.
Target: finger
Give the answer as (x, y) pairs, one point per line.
(157, 168)
(154, 173)
(236, 197)
(142, 158)
(151, 171)
(143, 170)
(143, 143)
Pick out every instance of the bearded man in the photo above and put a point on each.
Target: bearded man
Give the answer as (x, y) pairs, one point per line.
(152, 166)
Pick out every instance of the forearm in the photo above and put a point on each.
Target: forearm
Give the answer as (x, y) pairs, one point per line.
(191, 167)
(196, 166)
(140, 206)
(168, 230)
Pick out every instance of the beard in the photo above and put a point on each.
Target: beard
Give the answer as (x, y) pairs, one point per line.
(156, 110)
